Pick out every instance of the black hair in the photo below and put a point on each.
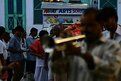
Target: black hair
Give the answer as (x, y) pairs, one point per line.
(33, 30)
(19, 28)
(94, 11)
(6, 34)
(2, 30)
(108, 12)
(91, 10)
(13, 31)
(51, 41)
(42, 33)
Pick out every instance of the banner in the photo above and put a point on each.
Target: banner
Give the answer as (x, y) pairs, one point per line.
(63, 11)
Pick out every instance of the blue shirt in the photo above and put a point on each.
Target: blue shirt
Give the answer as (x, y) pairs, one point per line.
(30, 55)
(15, 42)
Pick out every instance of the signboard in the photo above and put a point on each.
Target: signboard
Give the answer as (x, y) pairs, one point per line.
(63, 11)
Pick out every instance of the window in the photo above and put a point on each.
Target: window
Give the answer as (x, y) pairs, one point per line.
(15, 14)
(108, 3)
(37, 12)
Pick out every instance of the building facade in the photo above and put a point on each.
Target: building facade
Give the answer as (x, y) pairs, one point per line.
(28, 13)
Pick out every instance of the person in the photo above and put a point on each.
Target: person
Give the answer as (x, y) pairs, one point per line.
(109, 19)
(55, 31)
(105, 52)
(5, 40)
(31, 58)
(49, 48)
(37, 47)
(12, 33)
(16, 53)
(4, 68)
(3, 50)
(90, 14)
(67, 63)
(112, 29)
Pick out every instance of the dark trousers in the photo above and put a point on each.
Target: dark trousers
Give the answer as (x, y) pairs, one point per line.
(10, 71)
(30, 66)
(18, 71)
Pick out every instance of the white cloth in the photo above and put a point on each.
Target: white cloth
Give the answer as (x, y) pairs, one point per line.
(79, 70)
(50, 51)
(107, 55)
(39, 62)
(117, 35)
(3, 49)
(41, 74)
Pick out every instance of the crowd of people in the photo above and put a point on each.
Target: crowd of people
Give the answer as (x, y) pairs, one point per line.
(97, 57)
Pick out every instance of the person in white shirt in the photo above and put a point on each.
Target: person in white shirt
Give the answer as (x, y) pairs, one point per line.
(37, 47)
(109, 19)
(2, 49)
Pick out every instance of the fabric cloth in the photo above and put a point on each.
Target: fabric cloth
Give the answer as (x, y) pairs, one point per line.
(78, 70)
(30, 55)
(36, 47)
(15, 42)
(18, 72)
(1, 67)
(117, 35)
(41, 74)
(30, 66)
(3, 49)
(107, 57)
(50, 52)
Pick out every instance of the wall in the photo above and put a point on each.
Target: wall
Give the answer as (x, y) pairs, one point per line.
(119, 11)
(2, 14)
(29, 16)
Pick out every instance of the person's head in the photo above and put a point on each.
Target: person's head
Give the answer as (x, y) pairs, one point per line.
(33, 32)
(55, 31)
(6, 37)
(93, 30)
(19, 31)
(89, 15)
(49, 42)
(110, 18)
(13, 31)
(43, 34)
(2, 31)
(24, 35)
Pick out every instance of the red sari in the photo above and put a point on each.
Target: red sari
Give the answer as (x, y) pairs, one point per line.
(37, 48)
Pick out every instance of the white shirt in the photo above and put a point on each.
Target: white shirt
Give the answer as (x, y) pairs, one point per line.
(39, 62)
(79, 70)
(3, 49)
(107, 54)
(117, 35)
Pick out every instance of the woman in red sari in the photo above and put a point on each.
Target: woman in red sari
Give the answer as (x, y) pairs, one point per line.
(41, 72)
